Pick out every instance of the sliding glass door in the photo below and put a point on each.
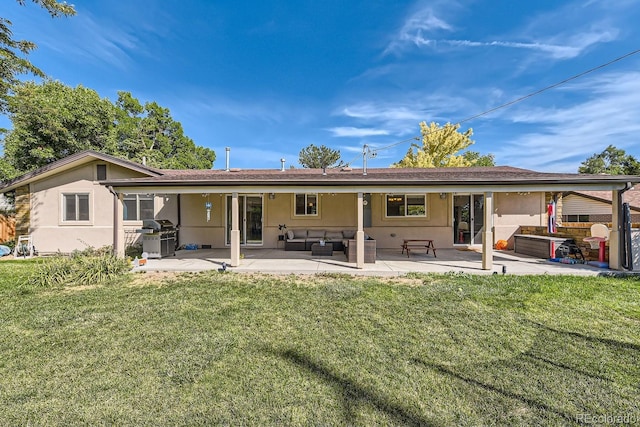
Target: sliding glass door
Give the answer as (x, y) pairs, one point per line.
(249, 218)
(468, 219)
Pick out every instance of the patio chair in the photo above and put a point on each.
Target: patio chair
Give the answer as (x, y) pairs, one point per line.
(599, 235)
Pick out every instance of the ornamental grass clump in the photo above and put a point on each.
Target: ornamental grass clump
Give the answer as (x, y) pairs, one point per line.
(88, 267)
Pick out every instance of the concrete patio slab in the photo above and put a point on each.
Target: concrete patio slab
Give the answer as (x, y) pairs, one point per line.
(389, 262)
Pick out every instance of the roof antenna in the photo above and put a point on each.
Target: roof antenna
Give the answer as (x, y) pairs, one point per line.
(367, 153)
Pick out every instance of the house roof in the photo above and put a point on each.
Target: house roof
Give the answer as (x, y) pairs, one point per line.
(631, 196)
(70, 162)
(337, 179)
(443, 177)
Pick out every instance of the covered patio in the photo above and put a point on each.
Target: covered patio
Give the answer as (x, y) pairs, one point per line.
(389, 262)
(244, 213)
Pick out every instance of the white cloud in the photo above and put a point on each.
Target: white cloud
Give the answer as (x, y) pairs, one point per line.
(567, 136)
(198, 103)
(573, 46)
(220, 106)
(356, 132)
(546, 33)
(426, 20)
(112, 46)
(119, 44)
(557, 51)
(384, 113)
(401, 116)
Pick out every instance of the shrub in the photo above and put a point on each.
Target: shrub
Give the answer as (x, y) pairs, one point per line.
(88, 267)
(133, 251)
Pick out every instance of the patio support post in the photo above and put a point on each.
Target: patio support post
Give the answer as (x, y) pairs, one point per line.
(360, 233)
(487, 234)
(118, 225)
(235, 231)
(614, 235)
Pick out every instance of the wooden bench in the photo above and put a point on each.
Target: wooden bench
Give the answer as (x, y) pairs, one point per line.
(427, 244)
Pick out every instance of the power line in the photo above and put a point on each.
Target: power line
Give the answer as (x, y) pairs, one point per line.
(532, 94)
(414, 138)
(522, 98)
(375, 150)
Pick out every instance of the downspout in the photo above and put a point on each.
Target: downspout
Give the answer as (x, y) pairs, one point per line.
(624, 242)
(118, 236)
(179, 221)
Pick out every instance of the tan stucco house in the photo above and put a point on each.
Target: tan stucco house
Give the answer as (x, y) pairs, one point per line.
(93, 199)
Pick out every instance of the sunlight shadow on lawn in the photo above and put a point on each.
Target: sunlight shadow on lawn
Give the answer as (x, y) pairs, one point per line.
(352, 393)
(491, 388)
(605, 341)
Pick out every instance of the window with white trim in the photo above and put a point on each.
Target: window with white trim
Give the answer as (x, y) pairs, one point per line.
(138, 207)
(403, 205)
(75, 207)
(306, 204)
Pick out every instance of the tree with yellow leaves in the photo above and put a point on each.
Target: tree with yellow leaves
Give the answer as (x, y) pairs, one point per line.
(439, 147)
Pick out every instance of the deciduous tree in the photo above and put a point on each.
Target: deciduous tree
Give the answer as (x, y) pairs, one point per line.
(319, 157)
(13, 62)
(477, 159)
(439, 147)
(612, 161)
(149, 132)
(51, 121)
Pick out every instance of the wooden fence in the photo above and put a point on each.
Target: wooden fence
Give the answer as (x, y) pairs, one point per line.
(7, 228)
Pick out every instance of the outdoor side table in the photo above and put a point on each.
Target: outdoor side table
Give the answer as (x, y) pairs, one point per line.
(326, 250)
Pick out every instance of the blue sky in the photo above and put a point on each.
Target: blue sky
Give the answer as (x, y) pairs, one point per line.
(269, 78)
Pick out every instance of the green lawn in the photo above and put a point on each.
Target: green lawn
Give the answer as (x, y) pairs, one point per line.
(210, 348)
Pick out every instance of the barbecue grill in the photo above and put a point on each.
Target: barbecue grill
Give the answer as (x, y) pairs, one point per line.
(158, 238)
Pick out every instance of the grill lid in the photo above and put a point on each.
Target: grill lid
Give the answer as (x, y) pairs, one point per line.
(157, 224)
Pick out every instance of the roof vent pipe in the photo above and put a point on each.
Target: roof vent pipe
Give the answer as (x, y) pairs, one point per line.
(365, 153)
(282, 164)
(227, 149)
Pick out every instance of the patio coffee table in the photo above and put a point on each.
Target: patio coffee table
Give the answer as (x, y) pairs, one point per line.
(326, 250)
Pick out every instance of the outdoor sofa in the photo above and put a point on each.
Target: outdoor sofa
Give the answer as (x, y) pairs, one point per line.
(302, 239)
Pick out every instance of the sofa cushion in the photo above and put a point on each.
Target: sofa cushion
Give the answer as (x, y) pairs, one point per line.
(299, 234)
(349, 234)
(315, 234)
(334, 235)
